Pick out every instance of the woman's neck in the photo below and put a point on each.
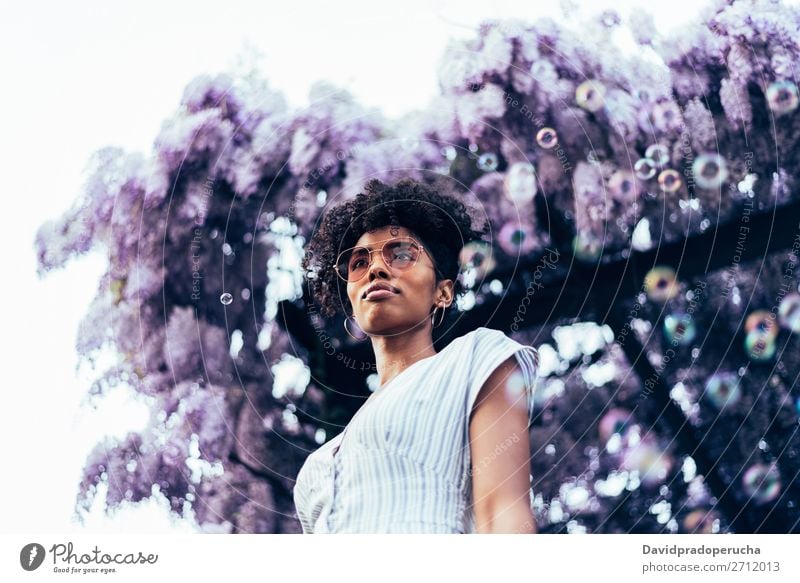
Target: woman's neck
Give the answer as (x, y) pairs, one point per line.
(394, 354)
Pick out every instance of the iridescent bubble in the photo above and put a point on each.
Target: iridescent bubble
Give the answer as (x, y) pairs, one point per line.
(477, 255)
(520, 182)
(661, 284)
(651, 462)
(762, 483)
(487, 162)
(679, 328)
(615, 421)
(590, 95)
(669, 180)
(622, 186)
(516, 239)
(226, 298)
(644, 168)
(610, 18)
(710, 171)
(782, 97)
(586, 247)
(658, 153)
(666, 115)
(762, 322)
(789, 312)
(722, 389)
(700, 522)
(547, 138)
(759, 346)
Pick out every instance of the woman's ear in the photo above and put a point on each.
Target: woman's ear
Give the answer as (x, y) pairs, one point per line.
(445, 292)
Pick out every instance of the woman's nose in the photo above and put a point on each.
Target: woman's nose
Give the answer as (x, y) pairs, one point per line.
(377, 265)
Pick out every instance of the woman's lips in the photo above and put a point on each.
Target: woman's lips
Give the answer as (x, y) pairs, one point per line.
(379, 294)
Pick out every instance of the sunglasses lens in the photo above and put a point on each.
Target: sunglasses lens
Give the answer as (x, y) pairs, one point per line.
(357, 263)
(401, 254)
(397, 254)
(352, 264)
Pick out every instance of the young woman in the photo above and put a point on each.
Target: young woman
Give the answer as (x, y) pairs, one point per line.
(442, 445)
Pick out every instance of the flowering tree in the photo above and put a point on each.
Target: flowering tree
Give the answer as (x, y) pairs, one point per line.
(646, 233)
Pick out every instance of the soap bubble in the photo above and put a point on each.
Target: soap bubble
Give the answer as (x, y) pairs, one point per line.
(622, 186)
(644, 168)
(762, 322)
(487, 162)
(759, 346)
(547, 138)
(651, 462)
(590, 95)
(700, 522)
(587, 247)
(477, 255)
(669, 180)
(722, 389)
(782, 97)
(658, 153)
(762, 483)
(679, 328)
(661, 284)
(789, 312)
(710, 171)
(516, 239)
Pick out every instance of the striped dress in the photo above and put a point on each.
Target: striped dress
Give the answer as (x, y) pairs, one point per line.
(402, 464)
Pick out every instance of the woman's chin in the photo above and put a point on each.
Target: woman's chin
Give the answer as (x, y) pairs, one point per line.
(385, 326)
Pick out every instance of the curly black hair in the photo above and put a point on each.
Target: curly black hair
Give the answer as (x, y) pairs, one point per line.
(435, 214)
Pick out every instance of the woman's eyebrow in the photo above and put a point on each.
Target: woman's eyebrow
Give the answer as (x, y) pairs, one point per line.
(375, 243)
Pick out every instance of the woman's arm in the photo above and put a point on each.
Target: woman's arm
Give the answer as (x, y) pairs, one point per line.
(500, 452)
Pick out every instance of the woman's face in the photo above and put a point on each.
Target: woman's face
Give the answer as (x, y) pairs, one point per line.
(415, 289)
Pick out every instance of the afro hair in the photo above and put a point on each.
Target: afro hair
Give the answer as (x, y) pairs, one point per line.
(442, 222)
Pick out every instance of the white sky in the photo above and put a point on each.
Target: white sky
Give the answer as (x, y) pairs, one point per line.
(82, 75)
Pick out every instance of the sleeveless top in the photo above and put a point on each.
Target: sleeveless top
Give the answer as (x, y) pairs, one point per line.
(403, 464)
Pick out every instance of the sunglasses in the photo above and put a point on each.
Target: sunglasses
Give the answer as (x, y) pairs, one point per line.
(401, 253)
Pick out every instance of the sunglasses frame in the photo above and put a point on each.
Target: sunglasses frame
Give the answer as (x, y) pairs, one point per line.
(371, 251)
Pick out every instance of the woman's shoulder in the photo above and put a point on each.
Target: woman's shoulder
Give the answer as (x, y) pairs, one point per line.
(474, 350)
(483, 339)
(492, 336)
(477, 335)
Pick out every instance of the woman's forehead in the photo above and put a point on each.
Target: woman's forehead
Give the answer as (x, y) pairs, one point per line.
(382, 234)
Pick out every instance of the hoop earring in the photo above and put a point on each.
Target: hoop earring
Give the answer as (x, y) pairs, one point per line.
(346, 329)
(433, 317)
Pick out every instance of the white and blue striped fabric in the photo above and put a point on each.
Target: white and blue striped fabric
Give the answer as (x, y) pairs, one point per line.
(403, 462)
